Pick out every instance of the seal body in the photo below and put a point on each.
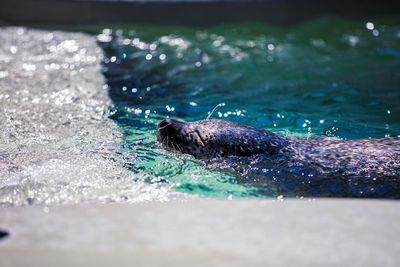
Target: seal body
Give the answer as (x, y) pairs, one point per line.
(295, 160)
(217, 138)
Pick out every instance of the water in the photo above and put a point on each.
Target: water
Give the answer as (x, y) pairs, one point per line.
(327, 77)
(78, 120)
(57, 144)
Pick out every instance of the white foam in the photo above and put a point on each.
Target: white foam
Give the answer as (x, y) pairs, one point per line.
(57, 144)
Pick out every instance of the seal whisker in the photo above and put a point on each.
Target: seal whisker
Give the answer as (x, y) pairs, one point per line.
(173, 146)
(179, 148)
(167, 141)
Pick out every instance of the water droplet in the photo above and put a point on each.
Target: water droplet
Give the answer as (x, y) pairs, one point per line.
(29, 67)
(271, 47)
(3, 74)
(13, 49)
(370, 26)
(153, 47)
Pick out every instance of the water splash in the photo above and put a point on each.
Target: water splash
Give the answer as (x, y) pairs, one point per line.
(57, 144)
(300, 81)
(212, 111)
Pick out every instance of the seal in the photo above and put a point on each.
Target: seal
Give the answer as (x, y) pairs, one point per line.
(293, 156)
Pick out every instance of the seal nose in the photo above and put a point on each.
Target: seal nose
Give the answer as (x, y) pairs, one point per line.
(168, 129)
(169, 125)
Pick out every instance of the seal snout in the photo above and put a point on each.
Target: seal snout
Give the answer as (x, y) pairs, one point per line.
(169, 123)
(168, 128)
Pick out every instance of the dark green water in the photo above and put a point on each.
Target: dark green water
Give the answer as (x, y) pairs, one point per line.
(327, 77)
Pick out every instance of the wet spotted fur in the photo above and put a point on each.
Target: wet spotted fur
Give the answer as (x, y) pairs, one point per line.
(207, 139)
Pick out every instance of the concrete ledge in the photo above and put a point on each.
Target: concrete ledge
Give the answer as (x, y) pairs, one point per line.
(185, 12)
(204, 233)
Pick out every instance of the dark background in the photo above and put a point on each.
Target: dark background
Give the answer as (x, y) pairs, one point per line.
(186, 12)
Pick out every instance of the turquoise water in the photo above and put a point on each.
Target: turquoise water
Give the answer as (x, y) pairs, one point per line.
(327, 77)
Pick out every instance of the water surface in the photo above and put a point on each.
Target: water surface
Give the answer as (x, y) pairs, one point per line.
(327, 77)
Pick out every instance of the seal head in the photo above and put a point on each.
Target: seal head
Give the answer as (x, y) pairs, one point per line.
(216, 138)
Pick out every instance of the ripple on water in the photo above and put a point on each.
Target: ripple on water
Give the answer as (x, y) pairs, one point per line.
(327, 77)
